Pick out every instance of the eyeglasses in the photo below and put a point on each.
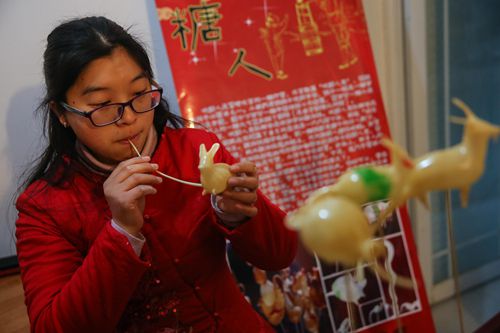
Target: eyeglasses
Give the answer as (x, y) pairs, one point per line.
(111, 113)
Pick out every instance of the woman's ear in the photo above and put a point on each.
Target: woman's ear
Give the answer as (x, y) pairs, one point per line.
(59, 114)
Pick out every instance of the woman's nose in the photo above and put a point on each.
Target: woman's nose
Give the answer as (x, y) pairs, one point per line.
(128, 117)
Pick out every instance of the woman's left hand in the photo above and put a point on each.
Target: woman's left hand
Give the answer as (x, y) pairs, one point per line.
(241, 193)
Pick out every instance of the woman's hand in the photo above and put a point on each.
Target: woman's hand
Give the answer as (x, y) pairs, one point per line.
(241, 193)
(125, 191)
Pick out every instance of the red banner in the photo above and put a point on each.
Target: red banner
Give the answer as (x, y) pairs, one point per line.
(292, 86)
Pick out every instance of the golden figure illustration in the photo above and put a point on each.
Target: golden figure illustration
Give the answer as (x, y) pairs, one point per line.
(338, 23)
(308, 29)
(272, 34)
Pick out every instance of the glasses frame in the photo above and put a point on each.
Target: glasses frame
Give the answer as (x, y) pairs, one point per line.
(88, 114)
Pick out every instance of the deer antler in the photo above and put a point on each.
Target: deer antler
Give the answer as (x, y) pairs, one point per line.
(458, 120)
(462, 106)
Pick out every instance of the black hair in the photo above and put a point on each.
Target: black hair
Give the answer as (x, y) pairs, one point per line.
(71, 47)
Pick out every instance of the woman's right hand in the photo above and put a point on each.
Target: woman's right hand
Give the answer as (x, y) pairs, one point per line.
(125, 191)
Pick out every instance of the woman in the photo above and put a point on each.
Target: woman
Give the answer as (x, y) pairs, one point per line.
(103, 243)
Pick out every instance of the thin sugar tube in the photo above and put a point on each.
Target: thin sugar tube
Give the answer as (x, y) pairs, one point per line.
(163, 174)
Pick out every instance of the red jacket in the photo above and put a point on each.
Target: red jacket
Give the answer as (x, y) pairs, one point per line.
(81, 275)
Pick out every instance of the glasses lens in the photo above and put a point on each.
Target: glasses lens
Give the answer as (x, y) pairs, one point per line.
(107, 114)
(147, 101)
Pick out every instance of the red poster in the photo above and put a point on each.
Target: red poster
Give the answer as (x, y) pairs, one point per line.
(292, 86)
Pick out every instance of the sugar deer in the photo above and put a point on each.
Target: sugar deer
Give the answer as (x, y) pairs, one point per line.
(459, 166)
(371, 183)
(332, 222)
(336, 228)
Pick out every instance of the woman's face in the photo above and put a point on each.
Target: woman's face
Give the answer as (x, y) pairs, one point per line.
(116, 78)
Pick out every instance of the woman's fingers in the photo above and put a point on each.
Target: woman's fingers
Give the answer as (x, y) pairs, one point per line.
(248, 198)
(250, 183)
(131, 161)
(126, 188)
(135, 168)
(236, 207)
(131, 173)
(140, 191)
(250, 211)
(137, 179)
(246, 167)
(241, 194)
(124, 164)
(246, 176)
(129, 199)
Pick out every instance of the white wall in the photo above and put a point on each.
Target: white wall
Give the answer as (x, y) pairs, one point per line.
(24, 26)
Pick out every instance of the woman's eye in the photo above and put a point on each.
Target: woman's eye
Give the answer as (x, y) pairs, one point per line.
(98, 105)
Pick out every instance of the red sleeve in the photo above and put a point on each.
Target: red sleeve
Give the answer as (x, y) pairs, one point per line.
(263, 240)
(64, 291)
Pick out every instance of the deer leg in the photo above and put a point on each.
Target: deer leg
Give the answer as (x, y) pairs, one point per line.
(381, 219)
(423, 200)
(360, 273)
(464, 196)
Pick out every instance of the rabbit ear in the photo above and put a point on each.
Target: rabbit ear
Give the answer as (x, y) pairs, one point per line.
(203, 150)
(213, 150)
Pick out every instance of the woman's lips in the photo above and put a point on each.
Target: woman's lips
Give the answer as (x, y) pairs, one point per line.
(130, 138)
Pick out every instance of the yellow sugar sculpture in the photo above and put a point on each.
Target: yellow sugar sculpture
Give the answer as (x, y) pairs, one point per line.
(213, 177)
(332, 223)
